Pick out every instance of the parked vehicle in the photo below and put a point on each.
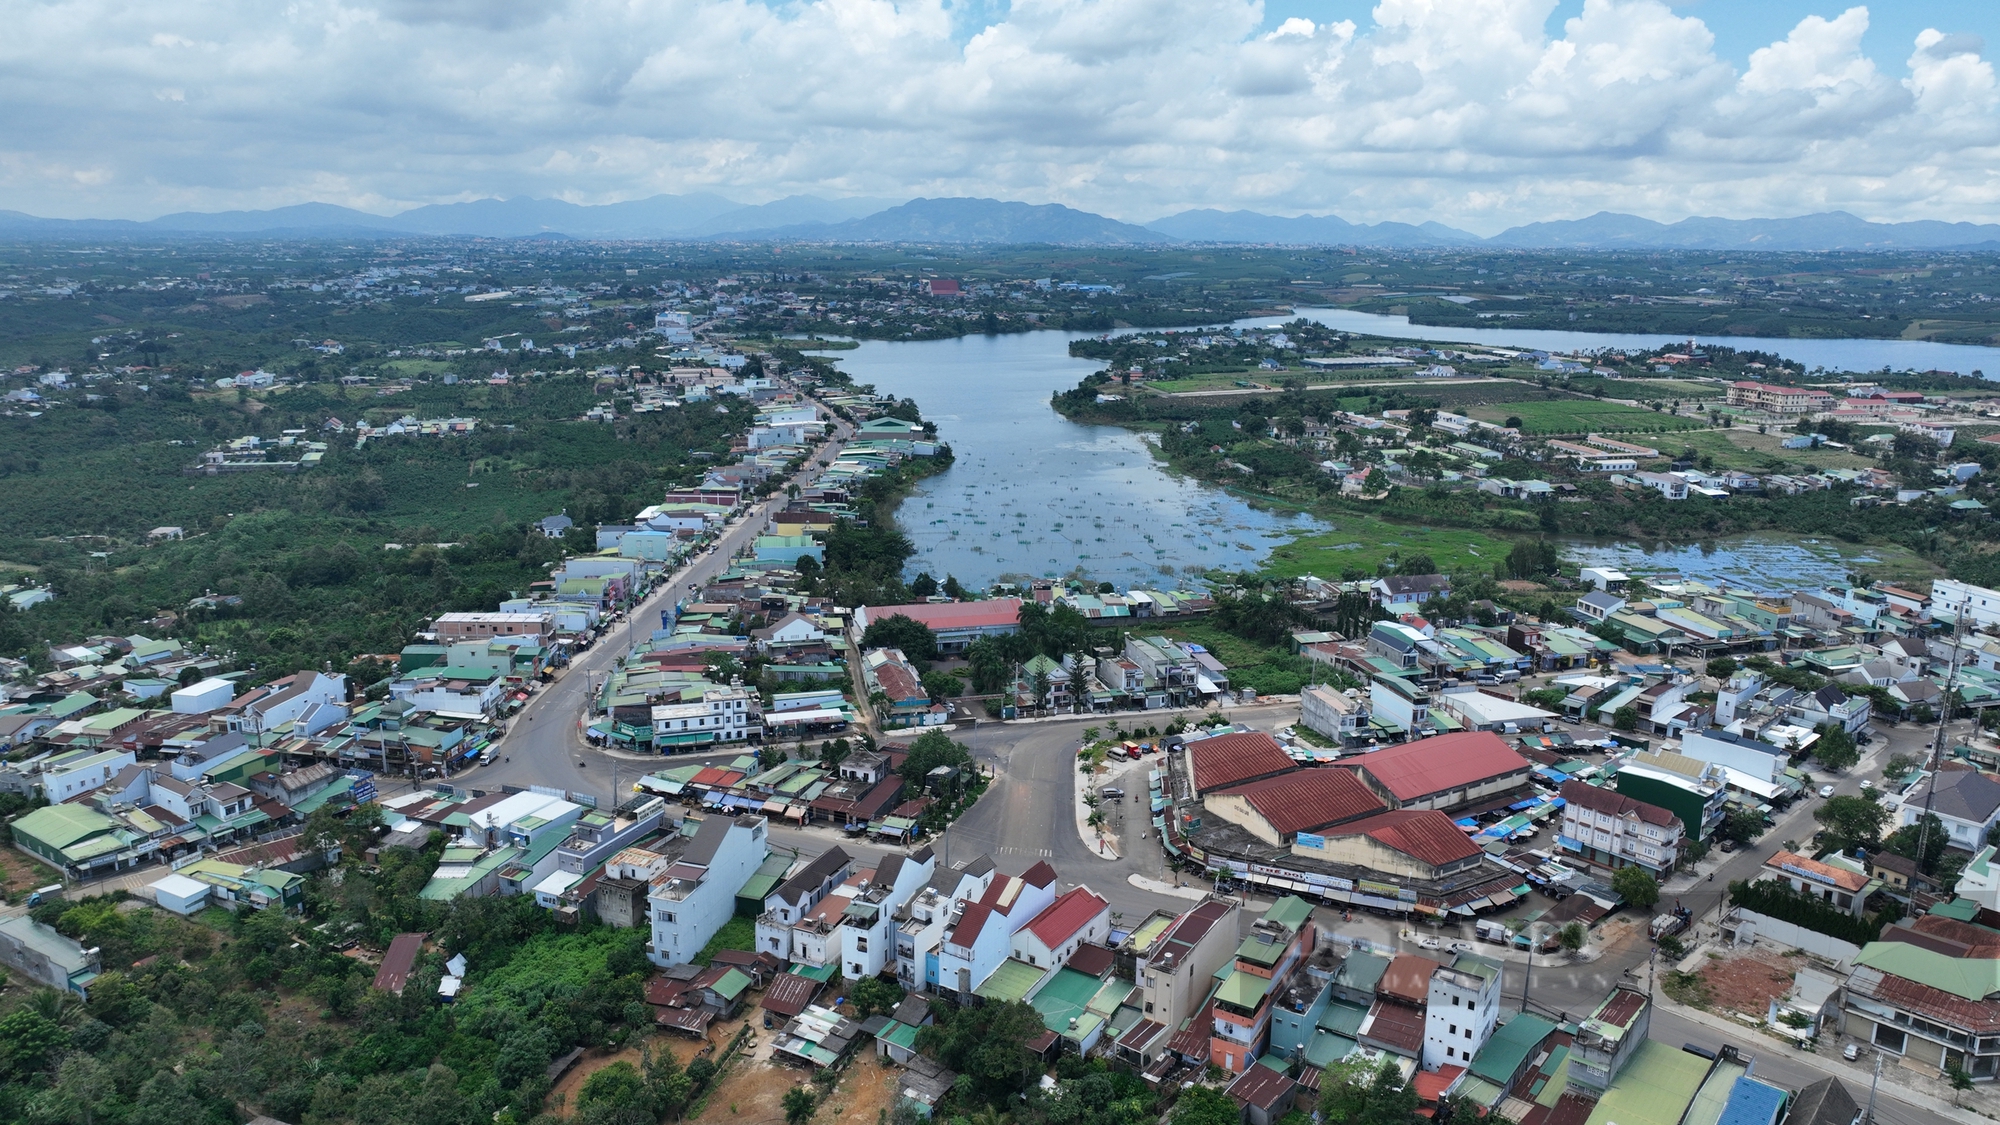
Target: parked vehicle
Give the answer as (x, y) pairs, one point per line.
(1826, 791)
(41, 895)
(1111, 793)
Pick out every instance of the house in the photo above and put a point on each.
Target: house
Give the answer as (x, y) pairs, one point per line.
(696, 894)
(895, 690)
(1240, 1011)
(1598, 605)
(46, 957)
(1395, 1021)
(1265, 1095)
(800, 892)
(1666, 484)
(868, 921)
(1398, 592)
(1461, 1011)
(1831, 705)
(721, 714)
(1610, 829)
(1332, 713)
(983, 934)
(1078, 916)
(1400, 705)
(1607, 1039)
(1839, 885)
(1175, 967)
(1965, 801)
(1696, 792)
(921, 923)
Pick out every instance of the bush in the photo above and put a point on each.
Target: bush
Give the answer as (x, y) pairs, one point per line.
(1787, 905)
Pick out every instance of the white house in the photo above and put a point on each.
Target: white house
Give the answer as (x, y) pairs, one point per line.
(983, 935)
(203, 697)
(1755, 758)
(1332, 713)
(695, 896)
(1605, 827)
(721, 715)
(1950, 598)
(62, 780)
(1666, 484)
(1967, 803)
(868, 925)
(800, 892)
(1463, 1009)
(284, 701)
(921, 926)
(1081, 915)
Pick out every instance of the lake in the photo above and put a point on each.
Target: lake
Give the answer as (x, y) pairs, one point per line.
(1834, 355)
(1034, 495)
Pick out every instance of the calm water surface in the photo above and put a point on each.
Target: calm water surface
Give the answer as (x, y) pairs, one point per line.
(1034, 495)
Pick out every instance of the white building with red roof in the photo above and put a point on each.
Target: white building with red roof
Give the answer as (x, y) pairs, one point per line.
(1080, 915)
(983, 936)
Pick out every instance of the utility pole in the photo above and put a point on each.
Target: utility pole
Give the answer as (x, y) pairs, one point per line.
(1868, 1115)
(1938, 741)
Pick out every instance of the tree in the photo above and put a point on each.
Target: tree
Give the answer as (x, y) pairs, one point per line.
(1625, 718)
(1722, 667)
(903, 632)
(931, 750)
(1636, 886)
(874, 995)
(799, 1104)
(1573, 936)
(952, 588)
(1960, 1080)
(1205, 1105)
(1356, 1093)
(1416, 564)
(1851, 822)
(1898, 765)
(988, 1046)
(941, 686)
(923, 585)
(1741, 825)
(1922, 842)
(1835, 749)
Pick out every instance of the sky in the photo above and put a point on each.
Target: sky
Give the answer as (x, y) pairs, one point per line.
(1477, 113)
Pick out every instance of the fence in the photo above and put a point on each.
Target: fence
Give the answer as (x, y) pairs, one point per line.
(1744, 926)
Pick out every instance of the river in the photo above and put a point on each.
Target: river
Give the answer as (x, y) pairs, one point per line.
(1034, 495)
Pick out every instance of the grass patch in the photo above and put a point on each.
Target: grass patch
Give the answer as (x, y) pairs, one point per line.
(1362, 542)
(1273, 670)
(1577, 416)
(737, 933)
(1687, 988)
(1762, 453)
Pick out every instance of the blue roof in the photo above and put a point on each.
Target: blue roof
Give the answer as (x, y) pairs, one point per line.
(1752, 1103)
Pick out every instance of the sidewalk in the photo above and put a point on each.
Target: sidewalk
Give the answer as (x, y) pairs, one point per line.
(1162, 887)
(1902, 1082)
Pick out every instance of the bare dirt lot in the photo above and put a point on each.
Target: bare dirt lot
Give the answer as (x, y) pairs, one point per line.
(1748, 982)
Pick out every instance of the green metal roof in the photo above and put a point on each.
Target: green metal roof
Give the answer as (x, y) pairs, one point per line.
(1243, 990)
(731, 984)
(1291, 911)
(1655, 1087)
(60, 826)
(1511, 1046)
(1960, 976)
(1011, 981)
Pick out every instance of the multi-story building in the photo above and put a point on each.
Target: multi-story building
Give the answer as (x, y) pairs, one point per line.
(921, 923)
(695, 896)
(868, 923)
(1928, 994)
(1774, 399)
(721, 715)
(1951, 599)
(1078, 916)
(1693, 790)
(452, 627)
(1333, 713)
(1462, 1010)
(790, 900)
(981, 937)
(1278, 943)
(1606, 1038)
(1166, 668)
(1605, 827)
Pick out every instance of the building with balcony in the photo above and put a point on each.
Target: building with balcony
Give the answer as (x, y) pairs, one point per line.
(695, 895)
(923, 919)
(1461, 1011)
(1265, 961)
(1609, 829)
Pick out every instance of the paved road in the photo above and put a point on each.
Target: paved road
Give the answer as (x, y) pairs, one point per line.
(544, 745)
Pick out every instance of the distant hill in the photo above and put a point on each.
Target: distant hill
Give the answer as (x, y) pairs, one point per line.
(1830, 230)
(1305, 230)
(983, 221)
(993, 222)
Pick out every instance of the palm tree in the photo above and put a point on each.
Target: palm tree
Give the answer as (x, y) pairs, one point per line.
(59, 1008)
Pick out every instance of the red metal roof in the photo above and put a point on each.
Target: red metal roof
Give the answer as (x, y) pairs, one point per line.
(1396, 1027)
(1066, 915)
(945, 616)
(1408, 978)
(1262, 1087)
(398, 961)
(1418, 769)
(1232, 759)
(1422, 834)
(1091, 960)
(1308, 800)
(789, 994)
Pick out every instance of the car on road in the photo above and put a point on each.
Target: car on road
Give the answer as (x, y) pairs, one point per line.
(1867, 784)
(1432, 943)
(1826, 790)
(1111, 793)
(1461, 947)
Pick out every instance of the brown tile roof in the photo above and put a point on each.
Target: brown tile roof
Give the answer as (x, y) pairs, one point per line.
(1308, 800)
(1408, 978)
(1613, 803)
(1792, 863)
(1091, 960)
(398, 962)
(1232, 759)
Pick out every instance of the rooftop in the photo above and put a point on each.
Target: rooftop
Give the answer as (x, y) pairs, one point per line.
(1308, 799)
(1418, 769)
(1231, 759)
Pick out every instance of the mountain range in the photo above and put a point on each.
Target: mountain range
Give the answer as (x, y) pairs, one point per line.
(705, 215)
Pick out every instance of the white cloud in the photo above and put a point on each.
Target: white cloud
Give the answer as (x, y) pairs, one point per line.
(1469, 111)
